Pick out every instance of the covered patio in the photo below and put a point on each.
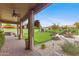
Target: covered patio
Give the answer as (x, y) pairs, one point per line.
(17, 14)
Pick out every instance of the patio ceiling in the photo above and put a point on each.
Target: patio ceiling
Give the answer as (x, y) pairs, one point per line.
(23, 9)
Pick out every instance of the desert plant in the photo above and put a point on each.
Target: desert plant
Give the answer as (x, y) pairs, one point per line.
(70, 48)
(43, 46)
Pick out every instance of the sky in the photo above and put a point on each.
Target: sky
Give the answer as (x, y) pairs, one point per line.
(59, 13)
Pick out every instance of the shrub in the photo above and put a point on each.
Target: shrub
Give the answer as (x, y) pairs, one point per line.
(71, 49)
(55, 38)
(43, 46)
(2, 38)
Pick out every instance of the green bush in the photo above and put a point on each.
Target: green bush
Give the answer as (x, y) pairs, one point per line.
(71, 49)
(2, 38)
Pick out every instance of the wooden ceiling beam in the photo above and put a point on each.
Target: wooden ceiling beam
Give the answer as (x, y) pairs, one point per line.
(40, 6)
(37, 8)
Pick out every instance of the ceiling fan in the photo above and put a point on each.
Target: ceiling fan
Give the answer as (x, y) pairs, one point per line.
(15, 14)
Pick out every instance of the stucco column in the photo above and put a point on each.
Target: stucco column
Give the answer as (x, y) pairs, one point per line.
(31, 30)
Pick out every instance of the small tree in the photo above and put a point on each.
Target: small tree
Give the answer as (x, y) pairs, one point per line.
(37, 23)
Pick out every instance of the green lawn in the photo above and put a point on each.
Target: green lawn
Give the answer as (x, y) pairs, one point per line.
(10, 30)
(39, 37)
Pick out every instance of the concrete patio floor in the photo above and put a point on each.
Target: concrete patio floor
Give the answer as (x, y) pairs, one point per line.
(15, 47)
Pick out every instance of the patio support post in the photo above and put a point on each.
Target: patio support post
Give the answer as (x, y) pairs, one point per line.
(31, 30)
(21, 33)
(18, 31)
